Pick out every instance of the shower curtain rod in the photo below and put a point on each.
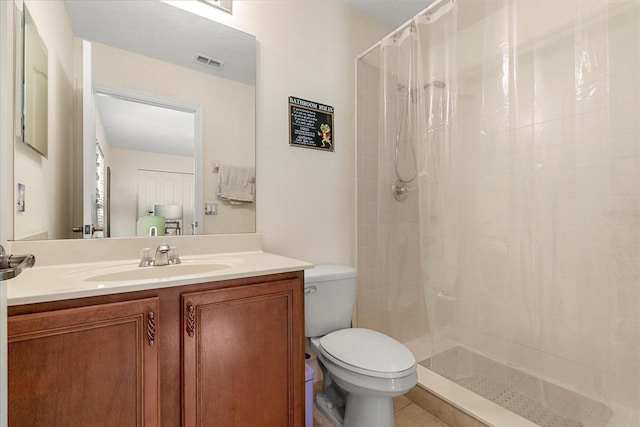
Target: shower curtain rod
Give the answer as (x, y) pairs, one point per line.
(432, 7)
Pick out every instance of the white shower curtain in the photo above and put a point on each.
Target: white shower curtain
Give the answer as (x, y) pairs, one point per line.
(512, 128)
(402, 133)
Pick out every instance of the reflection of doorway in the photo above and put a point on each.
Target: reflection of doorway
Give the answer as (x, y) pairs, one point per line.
(144, 132)
(166, 188)
(125, 123)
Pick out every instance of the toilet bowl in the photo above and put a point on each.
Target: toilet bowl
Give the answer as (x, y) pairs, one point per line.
(363, 370)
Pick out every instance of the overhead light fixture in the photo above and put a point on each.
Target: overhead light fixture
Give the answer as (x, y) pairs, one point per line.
(221, 4)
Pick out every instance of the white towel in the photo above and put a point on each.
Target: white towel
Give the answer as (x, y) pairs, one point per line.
(237, 184)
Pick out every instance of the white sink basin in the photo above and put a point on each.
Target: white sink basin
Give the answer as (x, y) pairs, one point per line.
(162, 272)
(131, 272)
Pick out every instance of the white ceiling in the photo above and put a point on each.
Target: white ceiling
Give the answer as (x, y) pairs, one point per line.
(392, 13)
(167, 33)
(143, 127)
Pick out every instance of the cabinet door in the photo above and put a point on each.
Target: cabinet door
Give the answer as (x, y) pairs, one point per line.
(243, 356)
(89, 366)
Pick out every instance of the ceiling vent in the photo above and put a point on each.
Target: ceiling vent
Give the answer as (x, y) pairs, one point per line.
(210, 62)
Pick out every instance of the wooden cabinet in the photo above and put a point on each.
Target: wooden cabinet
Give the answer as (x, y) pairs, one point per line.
(227, 353)
(87, 366)
(242, 356)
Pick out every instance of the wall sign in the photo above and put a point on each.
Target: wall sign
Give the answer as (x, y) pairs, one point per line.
(310, 124)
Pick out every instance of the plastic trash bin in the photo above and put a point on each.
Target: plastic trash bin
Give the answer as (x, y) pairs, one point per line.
(308, 383)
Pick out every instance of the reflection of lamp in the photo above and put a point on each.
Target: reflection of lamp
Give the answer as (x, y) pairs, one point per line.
(173, 215)
(150, 226)
(168, 211)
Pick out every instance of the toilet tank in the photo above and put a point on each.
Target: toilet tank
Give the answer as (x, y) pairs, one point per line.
(329, 294)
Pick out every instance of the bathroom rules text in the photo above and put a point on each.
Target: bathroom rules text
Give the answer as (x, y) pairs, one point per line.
(310, 124)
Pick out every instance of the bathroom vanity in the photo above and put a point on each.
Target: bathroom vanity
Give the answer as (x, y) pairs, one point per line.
(219, 348)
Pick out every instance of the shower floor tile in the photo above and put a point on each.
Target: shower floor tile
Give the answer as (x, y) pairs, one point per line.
(518, 391)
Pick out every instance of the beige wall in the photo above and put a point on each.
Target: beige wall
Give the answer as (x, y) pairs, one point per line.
(6, 121)
(47, 181)
(306, 48)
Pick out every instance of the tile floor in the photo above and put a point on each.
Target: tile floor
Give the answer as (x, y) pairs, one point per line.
(408, 414)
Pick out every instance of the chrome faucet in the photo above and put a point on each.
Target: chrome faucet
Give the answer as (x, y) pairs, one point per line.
(12, 265)
(162, 254)
(165, 255)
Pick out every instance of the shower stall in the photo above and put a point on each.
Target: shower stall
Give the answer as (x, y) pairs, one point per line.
(498, 193)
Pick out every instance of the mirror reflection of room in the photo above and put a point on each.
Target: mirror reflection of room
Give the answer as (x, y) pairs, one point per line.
(34, 88)
(183, 118)
(153, 146)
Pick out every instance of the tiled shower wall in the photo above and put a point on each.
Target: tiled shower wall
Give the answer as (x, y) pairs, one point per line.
(391, 302)
(369, 299)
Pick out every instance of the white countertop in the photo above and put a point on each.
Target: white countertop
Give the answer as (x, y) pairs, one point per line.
(67, 281)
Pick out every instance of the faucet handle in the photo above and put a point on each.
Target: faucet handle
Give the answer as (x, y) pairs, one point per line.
(145, 258)
(174, 256)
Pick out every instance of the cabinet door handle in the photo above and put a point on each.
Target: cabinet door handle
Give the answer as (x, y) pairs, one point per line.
(151, 328)
(191, 320)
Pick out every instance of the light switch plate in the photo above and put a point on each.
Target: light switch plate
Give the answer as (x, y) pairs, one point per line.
(211, 209)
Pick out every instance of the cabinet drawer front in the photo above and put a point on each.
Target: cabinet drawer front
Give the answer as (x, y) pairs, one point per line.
(243, 356)
(95, 365)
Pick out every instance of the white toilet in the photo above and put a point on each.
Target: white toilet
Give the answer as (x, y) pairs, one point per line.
(363, 369)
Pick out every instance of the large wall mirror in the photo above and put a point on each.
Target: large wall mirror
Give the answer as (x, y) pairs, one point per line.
(165, 107)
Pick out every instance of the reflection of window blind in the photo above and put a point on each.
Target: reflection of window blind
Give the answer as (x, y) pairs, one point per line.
(99, 187)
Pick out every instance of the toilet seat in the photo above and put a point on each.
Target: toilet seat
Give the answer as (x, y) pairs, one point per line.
(368, 352)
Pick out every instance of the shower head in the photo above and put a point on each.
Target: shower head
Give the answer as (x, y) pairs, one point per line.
(438, 84)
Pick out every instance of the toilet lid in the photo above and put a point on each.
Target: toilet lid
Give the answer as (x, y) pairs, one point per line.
(368, 352)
